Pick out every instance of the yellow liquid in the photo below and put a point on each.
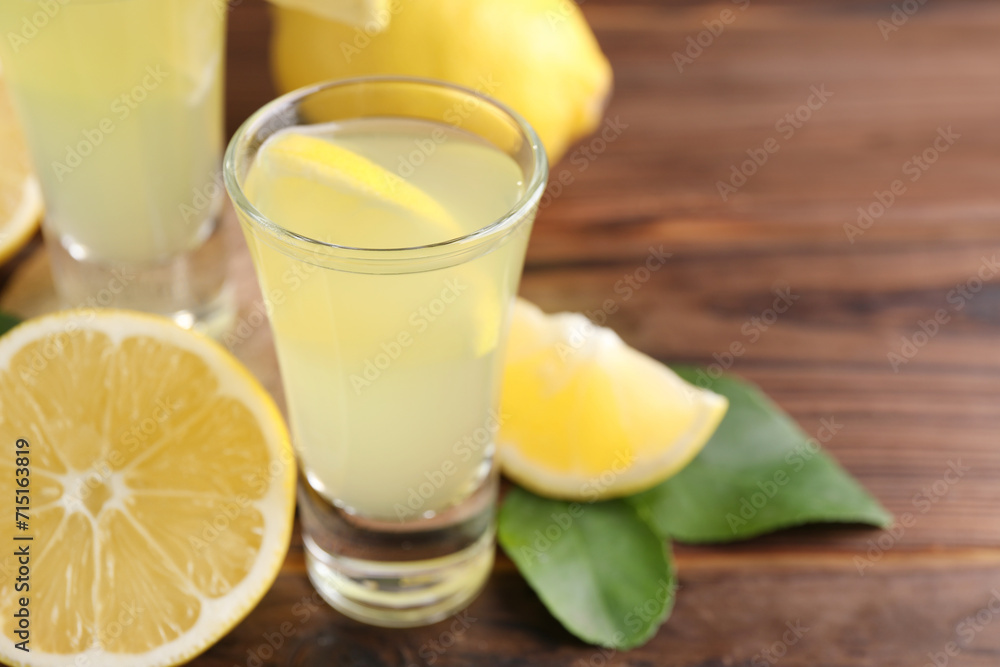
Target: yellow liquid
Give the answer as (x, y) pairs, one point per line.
(392, 380)
(121, 101)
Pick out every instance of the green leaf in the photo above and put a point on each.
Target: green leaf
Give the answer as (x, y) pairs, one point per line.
(760, 472)
(7, 322)
(600, 569)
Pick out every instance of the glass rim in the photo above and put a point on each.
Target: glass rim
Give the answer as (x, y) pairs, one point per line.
(495, 229)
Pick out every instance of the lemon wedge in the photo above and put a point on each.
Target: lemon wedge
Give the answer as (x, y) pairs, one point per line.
(586, 417)
(160, 483)
(20, 195)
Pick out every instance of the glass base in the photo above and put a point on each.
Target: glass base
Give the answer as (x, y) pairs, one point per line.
(191, 288)
(399, 574)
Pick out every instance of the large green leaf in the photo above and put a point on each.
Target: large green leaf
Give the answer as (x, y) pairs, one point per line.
(599, 568)
(760, 472)
(7, 322)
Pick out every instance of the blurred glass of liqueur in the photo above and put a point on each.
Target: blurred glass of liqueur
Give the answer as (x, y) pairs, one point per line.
(392, 217)
(121, 103)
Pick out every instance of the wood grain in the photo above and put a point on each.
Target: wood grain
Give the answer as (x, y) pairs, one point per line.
(828, 356)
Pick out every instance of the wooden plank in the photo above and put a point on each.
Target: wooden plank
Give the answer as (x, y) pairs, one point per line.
(686, 130)
(730, 611)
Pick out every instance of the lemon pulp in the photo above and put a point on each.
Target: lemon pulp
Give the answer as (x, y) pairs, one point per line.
(588, 417)
(160, 486)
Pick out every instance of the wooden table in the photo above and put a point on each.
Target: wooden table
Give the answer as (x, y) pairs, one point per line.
(866, 598)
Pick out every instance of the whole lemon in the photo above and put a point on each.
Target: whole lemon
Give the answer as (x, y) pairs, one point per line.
(538, 56)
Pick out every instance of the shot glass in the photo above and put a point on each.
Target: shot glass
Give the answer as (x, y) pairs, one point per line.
(391, 354)
(121, 104)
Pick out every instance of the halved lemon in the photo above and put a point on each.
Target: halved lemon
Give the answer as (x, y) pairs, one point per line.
(160, 491)
(20, 195)
(586, 417)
